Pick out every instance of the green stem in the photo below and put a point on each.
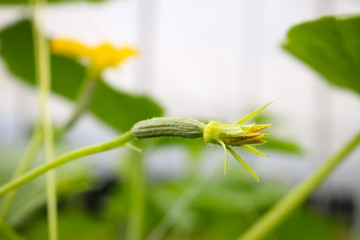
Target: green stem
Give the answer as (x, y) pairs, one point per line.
(85, 151)
(136, 181)
(296, 197)
(83, 102)
(42, 63)
(24, 164)
(179, 207)
(86, 95)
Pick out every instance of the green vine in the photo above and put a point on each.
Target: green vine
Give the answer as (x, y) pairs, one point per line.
(297, 196)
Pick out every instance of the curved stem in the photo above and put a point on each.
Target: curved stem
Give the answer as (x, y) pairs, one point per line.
(84, 100)
(291, 201)
(85, 151)
(24, 164)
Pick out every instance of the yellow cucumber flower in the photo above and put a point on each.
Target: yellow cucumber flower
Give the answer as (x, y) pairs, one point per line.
(99, 57)
(238, 134)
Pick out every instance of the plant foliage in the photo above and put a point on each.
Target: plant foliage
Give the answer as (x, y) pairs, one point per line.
(115, 108)
(330, 46)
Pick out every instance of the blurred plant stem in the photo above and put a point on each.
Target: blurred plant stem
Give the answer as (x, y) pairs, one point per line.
(84, 99)
(179, 207)
(297, 196)
(85, 151)
(83, 102)
(43, 129)
(135, 179)
(42, 66)
(25, 162)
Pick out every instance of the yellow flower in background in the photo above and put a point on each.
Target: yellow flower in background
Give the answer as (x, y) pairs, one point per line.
(100, 57)
(238, 135)
(69, 48)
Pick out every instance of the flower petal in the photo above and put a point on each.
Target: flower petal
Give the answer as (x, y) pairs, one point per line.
(69, 48)
(255, 151)
(257, 128)
(226, 157)
(243, 163)
(242, 139)
(252, 114)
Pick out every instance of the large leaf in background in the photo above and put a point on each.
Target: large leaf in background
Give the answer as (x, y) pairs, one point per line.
(6, 232)
(331, 46)
(10, 2)
(115, 108)
(282, 145)
(222, 211)
(75, 224)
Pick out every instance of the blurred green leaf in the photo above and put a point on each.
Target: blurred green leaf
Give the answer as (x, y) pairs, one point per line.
(277, 144)
(331, 46)
(115, 108)
(13, 2)
(286, 146)
(194, 146)
(74, 224)
(7, 233)
(306, 224)
(229, 205)
(223, 208)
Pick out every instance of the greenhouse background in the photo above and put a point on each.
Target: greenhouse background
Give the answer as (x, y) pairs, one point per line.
(206, 60)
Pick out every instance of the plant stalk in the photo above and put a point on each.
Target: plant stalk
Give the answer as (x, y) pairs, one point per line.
(84, 100)
(296, 197)
(24, 164)
(136, 180)
(178, 207)
(85, 151)
(42, 63)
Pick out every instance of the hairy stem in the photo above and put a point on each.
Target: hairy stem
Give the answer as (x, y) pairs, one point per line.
(291, 201)
(85, 151)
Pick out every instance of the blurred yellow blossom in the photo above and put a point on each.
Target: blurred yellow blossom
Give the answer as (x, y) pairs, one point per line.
(100, 57)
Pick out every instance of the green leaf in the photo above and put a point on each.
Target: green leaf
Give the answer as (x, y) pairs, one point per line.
(6, 232)
(13, 2)
(74, 224)
(243, 163)
(283, 145)
(331, 46)
(115, 108)
(255, 151)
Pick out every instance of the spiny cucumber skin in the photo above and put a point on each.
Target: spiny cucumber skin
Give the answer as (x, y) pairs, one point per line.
(168, 127)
